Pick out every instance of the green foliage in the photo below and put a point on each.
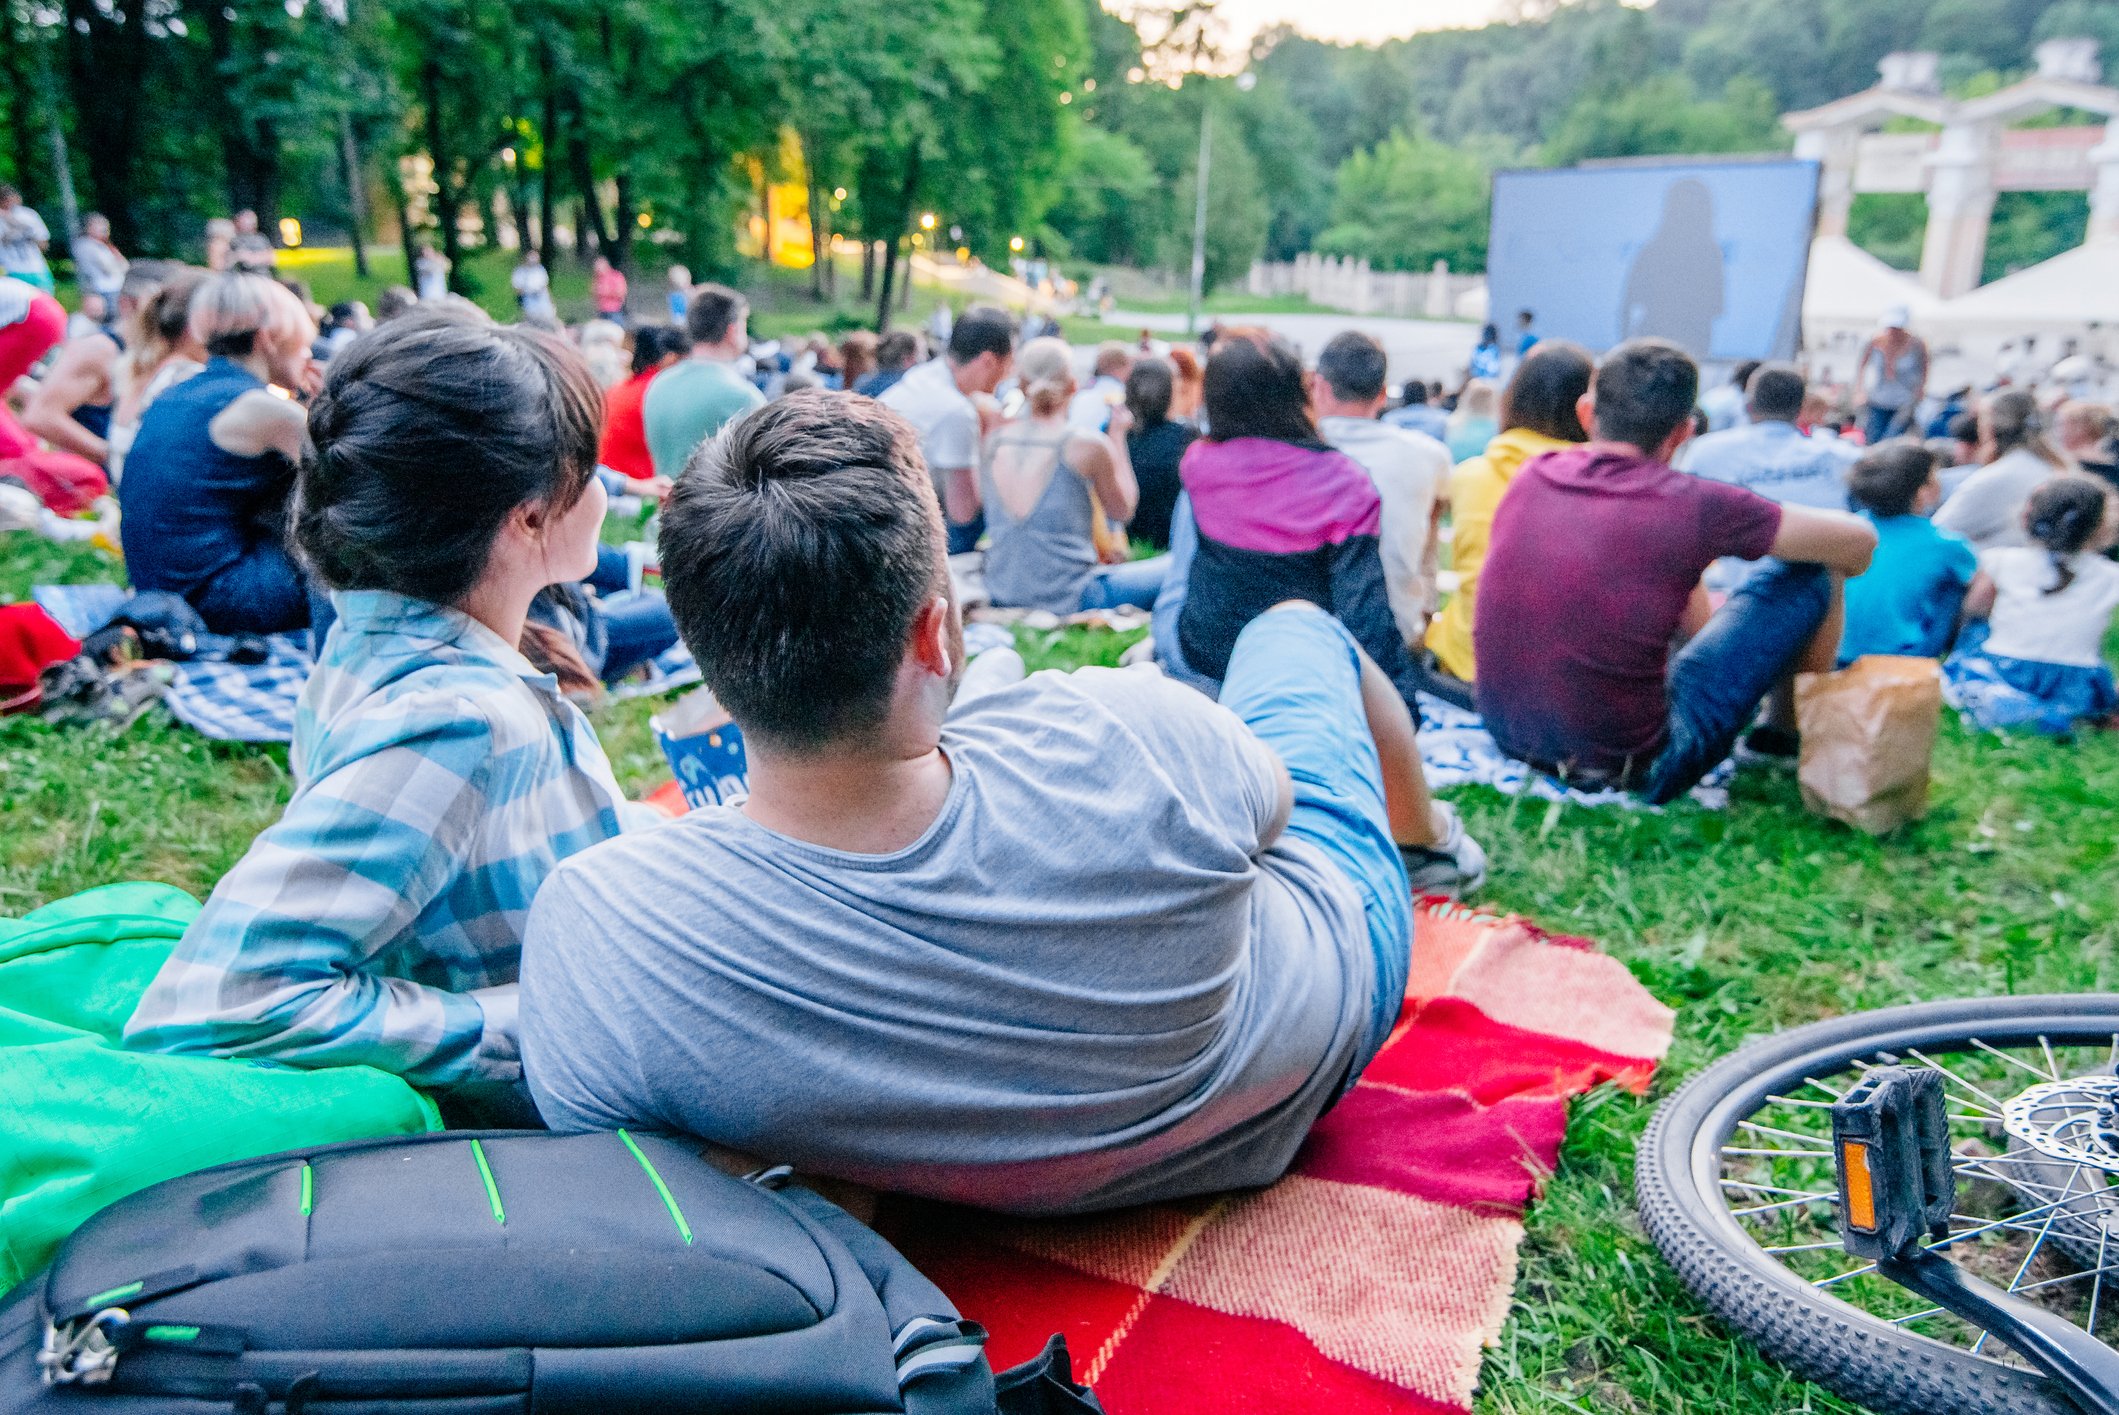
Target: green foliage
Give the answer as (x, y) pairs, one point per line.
(1236, 212)
(2033, 226)
(1889, 226)
(1107, 181)
(1409, 202)
(1661, 114)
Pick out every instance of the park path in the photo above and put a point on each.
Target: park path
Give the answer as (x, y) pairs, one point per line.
(1418, 348)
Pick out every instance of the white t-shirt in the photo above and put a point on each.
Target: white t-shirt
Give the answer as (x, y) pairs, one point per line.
(1410, 470)
(21, 232)
(2067, 626)
(946, 420)
(533, 285)
(1987, 507)
(1090, 409)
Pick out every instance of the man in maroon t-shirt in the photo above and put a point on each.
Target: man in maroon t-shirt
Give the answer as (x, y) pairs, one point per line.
(1592, 583)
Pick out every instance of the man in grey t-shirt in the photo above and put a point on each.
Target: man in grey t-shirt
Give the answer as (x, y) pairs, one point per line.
(1089, 940)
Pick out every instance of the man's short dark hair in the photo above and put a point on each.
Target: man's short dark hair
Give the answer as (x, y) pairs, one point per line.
(1525, 317)
(797, 548)
(1414, 394)
(1352, 366)
(1775, 393)
(1888, 478)
(1646, 389)
(899, 350)
(713, 310)
(982, 329)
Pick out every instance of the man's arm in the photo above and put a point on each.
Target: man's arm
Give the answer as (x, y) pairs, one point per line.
(1836, 540)
(81, 377)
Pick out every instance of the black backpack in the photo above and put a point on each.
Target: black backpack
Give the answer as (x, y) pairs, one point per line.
(490, 1273)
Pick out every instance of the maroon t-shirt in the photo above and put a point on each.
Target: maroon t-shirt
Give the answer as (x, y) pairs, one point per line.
(1594, 553)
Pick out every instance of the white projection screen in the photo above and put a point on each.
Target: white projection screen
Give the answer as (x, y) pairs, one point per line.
(1710, 254)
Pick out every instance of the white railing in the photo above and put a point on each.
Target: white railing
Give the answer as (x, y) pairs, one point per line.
(1346, 283)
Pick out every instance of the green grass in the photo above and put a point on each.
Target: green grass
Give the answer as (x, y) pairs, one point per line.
(1759, 918)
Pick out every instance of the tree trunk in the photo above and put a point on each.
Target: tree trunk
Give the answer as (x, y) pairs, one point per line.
(868, 271)
(622, 223)
(819, 241)
(106, 65)
(548, 132)
(406, 236)
(356, 195)
(585, 184)
(447, 197)
(903, 219)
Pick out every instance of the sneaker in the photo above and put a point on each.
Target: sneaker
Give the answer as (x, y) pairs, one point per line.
(1769, 746)
(1452, 866)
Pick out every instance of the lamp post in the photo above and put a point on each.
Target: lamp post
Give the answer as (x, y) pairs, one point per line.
(1245, 82)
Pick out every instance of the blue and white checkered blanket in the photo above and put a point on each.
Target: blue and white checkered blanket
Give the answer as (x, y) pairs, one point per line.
(1457, 750)
(232, 702)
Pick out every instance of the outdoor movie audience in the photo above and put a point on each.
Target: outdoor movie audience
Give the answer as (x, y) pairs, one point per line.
(212, 466)
(1048, 486)
(949, 402)
(1911, 598)
(1538, 415)
(1155, 445)
(1987, 506)
(1770, 455)
(1595, 568)
(1085, 940)
(1410, 470)
(688, 403)
(439, 776)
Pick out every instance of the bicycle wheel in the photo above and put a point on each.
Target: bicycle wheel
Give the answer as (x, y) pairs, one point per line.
(1735, 1184)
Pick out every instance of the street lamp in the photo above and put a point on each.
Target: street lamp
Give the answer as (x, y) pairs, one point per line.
(1245, 82)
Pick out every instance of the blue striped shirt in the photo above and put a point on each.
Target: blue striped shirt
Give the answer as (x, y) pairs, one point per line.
(439, 778)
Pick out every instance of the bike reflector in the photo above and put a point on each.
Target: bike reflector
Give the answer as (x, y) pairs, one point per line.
(1891, 1145)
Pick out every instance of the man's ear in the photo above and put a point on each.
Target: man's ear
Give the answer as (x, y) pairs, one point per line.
(1586, 413)
(932, 642)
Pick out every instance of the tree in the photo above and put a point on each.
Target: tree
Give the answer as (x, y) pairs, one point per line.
(1663, 115)
(1409, 202)
(1236, 208)
(1107, 183)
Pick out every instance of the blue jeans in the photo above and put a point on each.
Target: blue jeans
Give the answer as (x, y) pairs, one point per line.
(1882, 424)
(966, 536)
(263, 593)
(638, 627)
(1135, 583)
(1295, 679)
(1719, 679)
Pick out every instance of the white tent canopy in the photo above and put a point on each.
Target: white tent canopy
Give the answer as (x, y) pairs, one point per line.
(2067, 294)
(1848, 287)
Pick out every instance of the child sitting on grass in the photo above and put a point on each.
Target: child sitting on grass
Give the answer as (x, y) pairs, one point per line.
(2039, 663)
(1911, 597)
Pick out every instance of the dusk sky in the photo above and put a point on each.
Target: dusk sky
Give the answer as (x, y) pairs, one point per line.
(1354, 19)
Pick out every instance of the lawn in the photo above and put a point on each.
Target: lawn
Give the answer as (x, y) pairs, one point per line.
(1748, 921)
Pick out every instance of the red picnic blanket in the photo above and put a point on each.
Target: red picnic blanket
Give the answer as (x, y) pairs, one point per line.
(1370, 1278)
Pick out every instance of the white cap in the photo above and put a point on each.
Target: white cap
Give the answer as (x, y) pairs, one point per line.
(1897, 317)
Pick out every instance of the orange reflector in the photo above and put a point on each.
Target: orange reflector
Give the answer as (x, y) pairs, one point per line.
(1861, 1193)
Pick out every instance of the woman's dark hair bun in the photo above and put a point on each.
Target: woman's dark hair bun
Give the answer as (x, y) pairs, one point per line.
(429, 432)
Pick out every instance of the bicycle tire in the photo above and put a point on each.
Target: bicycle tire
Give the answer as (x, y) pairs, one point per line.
(1815, 1335)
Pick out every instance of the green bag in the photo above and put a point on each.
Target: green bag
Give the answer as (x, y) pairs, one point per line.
(83, 1123)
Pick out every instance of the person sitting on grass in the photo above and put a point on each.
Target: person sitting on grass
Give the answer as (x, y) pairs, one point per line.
(1911, 597)
(438, 776)
(1594, 572)
(1537, 416)
(212, 465)
(1088, 940)
(1045, 484)
(2038, 660)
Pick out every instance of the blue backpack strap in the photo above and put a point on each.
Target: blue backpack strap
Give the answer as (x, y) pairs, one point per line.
(941, 1358)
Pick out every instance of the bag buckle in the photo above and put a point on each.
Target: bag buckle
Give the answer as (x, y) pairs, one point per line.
(83, 1352)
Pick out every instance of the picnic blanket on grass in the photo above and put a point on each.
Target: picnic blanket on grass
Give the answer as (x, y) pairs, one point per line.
(83, 1122)
(1370, 1279)
(231, 702)
(1457, 750)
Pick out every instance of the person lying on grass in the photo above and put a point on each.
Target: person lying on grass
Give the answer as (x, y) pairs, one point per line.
(439, 776)
(1594, 572)
(1088, 940)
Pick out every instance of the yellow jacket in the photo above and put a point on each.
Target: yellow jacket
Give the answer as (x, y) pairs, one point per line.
(1475, 490)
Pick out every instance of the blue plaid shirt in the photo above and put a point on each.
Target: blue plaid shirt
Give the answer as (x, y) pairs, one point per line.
(439, 778)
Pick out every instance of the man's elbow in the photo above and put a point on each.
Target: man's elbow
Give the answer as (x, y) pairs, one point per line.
(1860, 550)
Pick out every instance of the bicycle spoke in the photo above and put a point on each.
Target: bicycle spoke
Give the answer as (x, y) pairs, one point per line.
(2047, 1047)
(2028, 1258)
(1917, 1316)
(1763, 1188)
(1807, 1105)
(1832, 1196)
(2097, 1288)
(1999, 1106)
(1805, 1248)
(1792, 1154)
(2021, 1065)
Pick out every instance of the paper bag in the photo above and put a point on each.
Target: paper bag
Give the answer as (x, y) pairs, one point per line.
(1868, 734)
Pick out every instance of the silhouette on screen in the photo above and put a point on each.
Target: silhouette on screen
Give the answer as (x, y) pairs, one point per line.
(1675, 289)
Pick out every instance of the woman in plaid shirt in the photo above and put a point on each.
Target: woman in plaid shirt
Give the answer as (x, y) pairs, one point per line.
(439, 775)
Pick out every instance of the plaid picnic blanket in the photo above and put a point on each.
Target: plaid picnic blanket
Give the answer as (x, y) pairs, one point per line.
(232, 702)
(1369, 1280)
(1457, 750)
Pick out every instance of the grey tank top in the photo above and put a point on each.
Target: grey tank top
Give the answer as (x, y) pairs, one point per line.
(1042, 560)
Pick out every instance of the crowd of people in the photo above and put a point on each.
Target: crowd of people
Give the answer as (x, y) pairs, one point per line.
(1042, 942)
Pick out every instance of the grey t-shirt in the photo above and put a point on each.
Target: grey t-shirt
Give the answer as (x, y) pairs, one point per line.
(1084, 986)
(1987, 507)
